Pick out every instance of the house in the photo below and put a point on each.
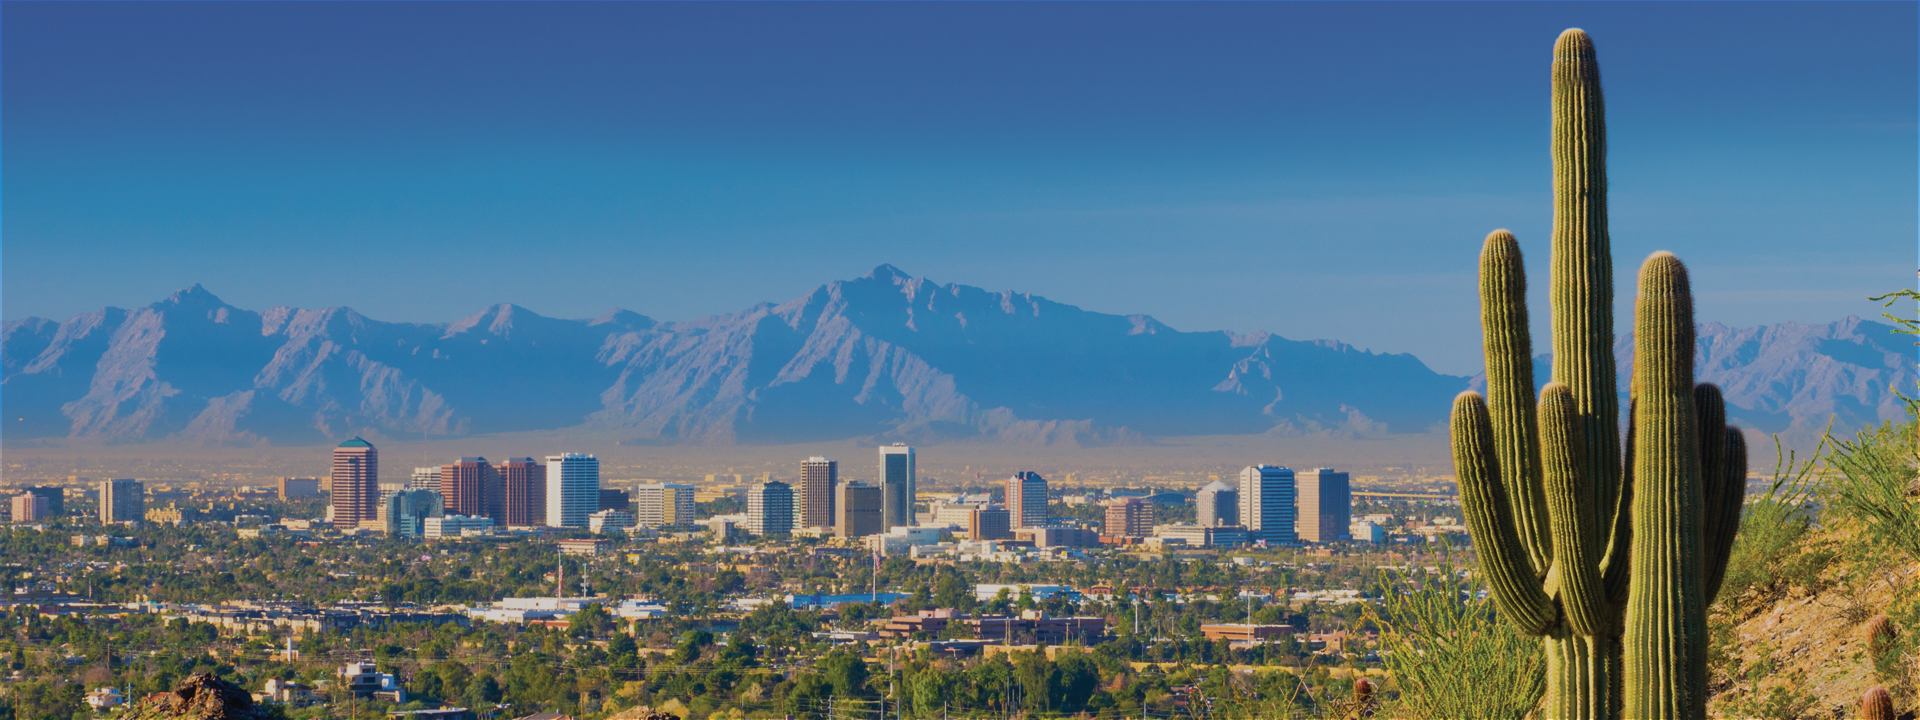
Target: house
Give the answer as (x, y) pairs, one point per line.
(285, 691)
(365, 680)
(104, 699)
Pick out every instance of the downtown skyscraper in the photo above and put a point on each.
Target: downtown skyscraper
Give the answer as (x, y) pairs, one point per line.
(1027, 500)
(1325, 505)
(525, 482)
(471, 487)
(123, 500)
(355, 483)
(896, 484)
(573, 489)
(1267, 504)
(770, 508)
(813, 499)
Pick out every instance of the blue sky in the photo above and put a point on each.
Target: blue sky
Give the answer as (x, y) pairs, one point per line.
(1315, 170)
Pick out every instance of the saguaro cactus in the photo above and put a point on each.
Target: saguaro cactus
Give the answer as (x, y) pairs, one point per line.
(1611, 561)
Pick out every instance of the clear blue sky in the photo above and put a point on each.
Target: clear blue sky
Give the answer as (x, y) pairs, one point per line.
(1316, 170)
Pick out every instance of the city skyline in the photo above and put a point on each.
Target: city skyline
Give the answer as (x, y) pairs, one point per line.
(1172, 164)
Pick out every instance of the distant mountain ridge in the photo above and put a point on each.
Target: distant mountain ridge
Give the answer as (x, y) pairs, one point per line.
(879, 358)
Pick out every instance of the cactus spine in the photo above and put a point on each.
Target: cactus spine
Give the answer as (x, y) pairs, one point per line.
(1611, 562)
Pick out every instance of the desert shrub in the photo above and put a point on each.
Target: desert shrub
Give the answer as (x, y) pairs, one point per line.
(1873, 484)
(1769, 549)
(1449, 655)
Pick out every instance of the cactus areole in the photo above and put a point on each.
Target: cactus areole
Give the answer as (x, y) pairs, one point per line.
(1609, 549)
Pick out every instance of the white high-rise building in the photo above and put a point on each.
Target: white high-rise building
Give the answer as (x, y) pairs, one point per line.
(1267, 504)
(1217, 505)
(770, 508)
(573, 489)
(659, 505)
(896, 483)
(1325, 507)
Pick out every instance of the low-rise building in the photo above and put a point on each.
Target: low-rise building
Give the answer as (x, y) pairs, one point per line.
(456, 526)
(1053, 536)
(1242, 632)
(610, 521)
(585, 547)
(286, 692)
(365, 680)
(1033, 626)
(1366, 531)
(1203, 536)
(105, 698)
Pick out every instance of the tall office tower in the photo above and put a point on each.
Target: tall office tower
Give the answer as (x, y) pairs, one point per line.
(355, 483)
(1325, 507)
(859, 507)
(770, 508)
(122, 501)
(1027, 499)
(523, 482)
(1266, 504)
(406, 512)
(989, 523)
(1129, 518)
(573, 489)
(464, 486)
(896, 481)
(56, 500)
(1217, 505)
(425, 478)
(663, 505)
(28, 507)
(813, 500)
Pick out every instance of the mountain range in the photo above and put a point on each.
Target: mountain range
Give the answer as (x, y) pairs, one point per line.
(881, 358)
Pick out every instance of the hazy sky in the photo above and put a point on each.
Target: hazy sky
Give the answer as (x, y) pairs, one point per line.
(1315, 170)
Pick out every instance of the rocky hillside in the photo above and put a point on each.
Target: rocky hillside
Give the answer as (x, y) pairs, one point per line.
(882, 357)
(199, 697)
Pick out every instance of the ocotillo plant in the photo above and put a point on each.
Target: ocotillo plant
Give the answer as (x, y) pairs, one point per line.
(1611, 561)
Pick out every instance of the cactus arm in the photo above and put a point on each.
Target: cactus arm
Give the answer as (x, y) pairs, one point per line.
(1666, 612)
(1516, 588)
(1733, 496)
(1619, 558)
(1576, 526)
(1581, 285)
(1509, 350)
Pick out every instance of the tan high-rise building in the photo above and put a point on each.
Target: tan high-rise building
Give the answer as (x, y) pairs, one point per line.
(355, 483)
(1129, 518)
(525, 482)
(861, 510)
(471, 487)
(1326, 505)
(813, 498)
